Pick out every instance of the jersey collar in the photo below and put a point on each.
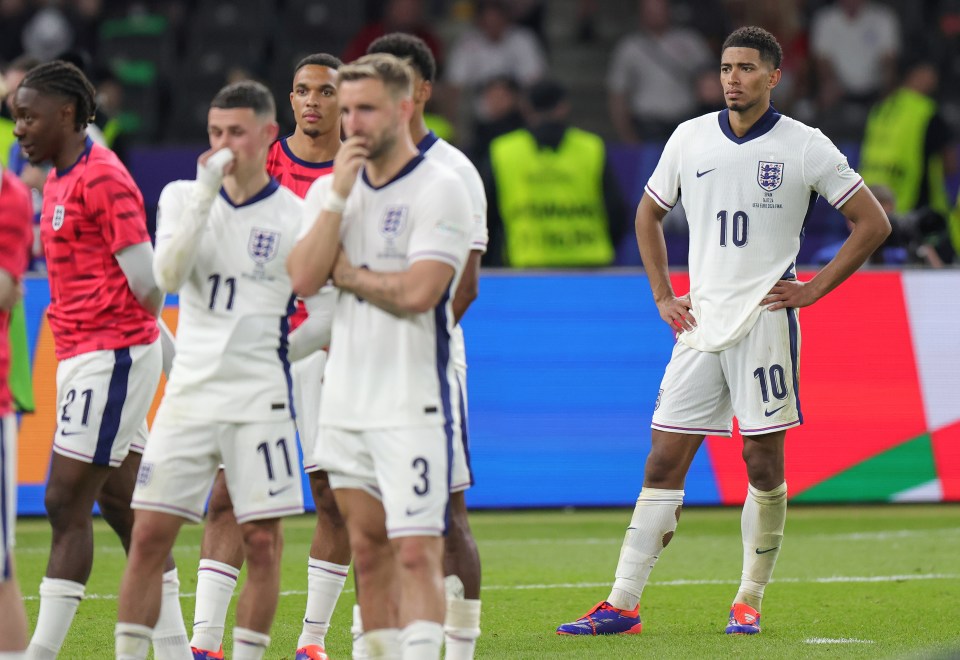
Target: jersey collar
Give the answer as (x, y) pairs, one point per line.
(88, 145)
(762, 126)
(409, 167)
(271, 187)
(299, 161)
(428, 141)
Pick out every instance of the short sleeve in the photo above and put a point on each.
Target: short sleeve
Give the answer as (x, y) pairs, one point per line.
(442, 226)
(664, 184)
(16, 226)
(478, 205)
(826, 170)
(118, 206)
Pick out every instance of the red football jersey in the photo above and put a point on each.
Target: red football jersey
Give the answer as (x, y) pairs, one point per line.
(16, 238)
(91, 210)
(297, 175)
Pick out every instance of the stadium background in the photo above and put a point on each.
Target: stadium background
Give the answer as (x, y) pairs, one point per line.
(562, 389)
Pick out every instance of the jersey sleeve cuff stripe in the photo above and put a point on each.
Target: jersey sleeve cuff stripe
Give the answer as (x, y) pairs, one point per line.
(434, 255)
(657, 198)
(845, 196)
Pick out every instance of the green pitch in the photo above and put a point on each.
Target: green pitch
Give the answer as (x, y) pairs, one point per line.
(865, 582)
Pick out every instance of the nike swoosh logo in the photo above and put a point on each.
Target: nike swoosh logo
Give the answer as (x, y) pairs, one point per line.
(770, 413)
(66, 433)
(763, 552)
(414, 512)
(306, 620)
(197, 623)
(279, 490)
(700, 174)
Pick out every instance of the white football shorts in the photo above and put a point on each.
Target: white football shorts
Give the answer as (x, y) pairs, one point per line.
(8, 493)
(259, 460)
(407, 469)
(307, 388)
(461, 473)
(757, 380)
(103, 398)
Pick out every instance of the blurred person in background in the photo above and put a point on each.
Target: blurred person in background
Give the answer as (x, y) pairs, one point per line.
(398, 16)
(554, 199)
(907, 145)
(499, 112)
(855, 45)
(493, 47)
(652, 75)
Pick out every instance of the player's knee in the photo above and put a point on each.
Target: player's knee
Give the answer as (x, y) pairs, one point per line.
(149, 540)
(262, 544)
(62, 507)
(414, 555)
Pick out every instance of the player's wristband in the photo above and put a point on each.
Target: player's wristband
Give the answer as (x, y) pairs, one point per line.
(335, 202)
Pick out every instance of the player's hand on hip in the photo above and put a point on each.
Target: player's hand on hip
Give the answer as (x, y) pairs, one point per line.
(676, 313)
(212, 166)
(350, 158)
(788, 293)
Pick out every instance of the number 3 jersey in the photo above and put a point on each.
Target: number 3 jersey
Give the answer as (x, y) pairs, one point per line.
(388, 371)
(746, 200)
(231, 362)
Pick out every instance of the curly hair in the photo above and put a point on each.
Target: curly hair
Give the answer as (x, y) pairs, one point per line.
(758, 39)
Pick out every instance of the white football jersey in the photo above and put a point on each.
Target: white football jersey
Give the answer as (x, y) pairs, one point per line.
(746, 201)
(231, 362)
(436, 148)
(387, 371)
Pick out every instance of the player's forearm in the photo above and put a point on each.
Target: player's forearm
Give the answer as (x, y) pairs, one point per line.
(399, 294)
(869, 232)
(469, 287)
(177, 247)
(314, 333)
(311, 261)
(653, 249)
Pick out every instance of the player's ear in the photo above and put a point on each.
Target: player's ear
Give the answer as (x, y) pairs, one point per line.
(424, 92)
(774, 80)
(67, 114)
(272, 130)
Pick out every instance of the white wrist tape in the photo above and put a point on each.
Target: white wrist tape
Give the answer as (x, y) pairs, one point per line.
(334, 202)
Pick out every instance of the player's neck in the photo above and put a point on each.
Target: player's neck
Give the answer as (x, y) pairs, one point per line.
(241, 186)
(383, 169)
(318, 149)
(741, 122)
(72, 149)
(418, 127)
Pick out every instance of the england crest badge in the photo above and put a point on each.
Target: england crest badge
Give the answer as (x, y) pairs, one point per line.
(769, 175)
(394, 221)
(59, 213)
(263, 245)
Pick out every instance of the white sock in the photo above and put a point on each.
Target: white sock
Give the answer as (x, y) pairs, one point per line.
(59, 600)
(382, 644)
(170, 635)
(325, 581)
(652, 526)
(356, 631)
(761, 524)
(461, 629)
(132, 641)
(249, 644)
(215, 584)
(421, 640)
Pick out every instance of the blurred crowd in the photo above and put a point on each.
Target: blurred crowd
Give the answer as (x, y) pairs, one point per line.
(650, 63)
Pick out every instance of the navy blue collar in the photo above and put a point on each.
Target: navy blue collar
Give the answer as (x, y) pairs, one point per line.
(409, 167)
(88, 145)
(271, 187)
(430, 139)
(300, 161)
(762, 126)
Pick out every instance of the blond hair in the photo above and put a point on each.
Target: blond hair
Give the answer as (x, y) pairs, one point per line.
(395, 74)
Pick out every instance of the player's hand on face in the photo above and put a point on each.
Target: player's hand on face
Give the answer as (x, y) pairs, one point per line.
(788, 293)
(350, 158)
(213, 166)
(676, 313)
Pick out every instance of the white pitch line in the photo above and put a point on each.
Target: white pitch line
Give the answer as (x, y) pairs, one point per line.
(665, 583)
(842, 640)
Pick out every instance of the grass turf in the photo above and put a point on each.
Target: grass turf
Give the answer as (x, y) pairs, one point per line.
(851, 582)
